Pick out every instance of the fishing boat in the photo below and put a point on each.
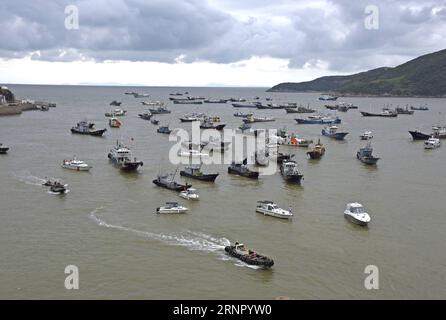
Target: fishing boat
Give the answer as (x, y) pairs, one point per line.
(243, 127)
(432, 143)
(121, 157)
(160, 110)
(365, 155)
(189, 194)
(154, 121)
(243, 170)
(152, 103)
(420, 108)
(215, 100)
(318, 151)
(3, 148)
(193, 117)
(215, 145)
(188, 101)
(140, 95)
(171, 207)
(114, 123)
(115, 103)
(252, 119)
(281, 157)
(167, 181)
(366, 135)
(328, 98)
(290, 171)
(332, 132)
(75, 164)
(246, 105)
(439, 132)
(294, 141)
(242, 115)
(207, 124)
(269, 208)
(383, 114)
(299, 110)
(318, 119)
(237, 99)
(248, 256)
(406, 110)
(145, 115)
(354, 212)
(195, 172)
(87, 128)
(418, 135)
(164, 129)
(116, 113)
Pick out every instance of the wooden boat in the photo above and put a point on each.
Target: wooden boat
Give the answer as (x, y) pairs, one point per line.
(318, 151)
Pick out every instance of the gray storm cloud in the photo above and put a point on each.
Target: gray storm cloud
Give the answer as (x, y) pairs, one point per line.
(221, 31)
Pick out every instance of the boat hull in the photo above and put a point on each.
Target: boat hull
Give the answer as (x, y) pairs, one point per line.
(96, 133)
(204, 177)
(172, 186)
(261, 261)
(336, 136)
(76, 168)
(369, 114)
(355, 221)
(4, 150)
(367, 160)
(416, 135)
(247, 174)
(314, 154)
(273, 214)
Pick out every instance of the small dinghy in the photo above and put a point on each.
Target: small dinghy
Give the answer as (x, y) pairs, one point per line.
(75, 164)
(269, 208)
(355, 213)
(171, 207)
(190, 194)
(248, 256)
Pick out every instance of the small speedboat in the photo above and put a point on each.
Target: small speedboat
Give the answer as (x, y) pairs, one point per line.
(171, 207)
(189, 194)
(164, 129)
(432, 143)
(248, 256)
(355, 213)
(3, 148)
(269, 208)
(116, 113)
(367, 135)
(75, 164)
(56, 186)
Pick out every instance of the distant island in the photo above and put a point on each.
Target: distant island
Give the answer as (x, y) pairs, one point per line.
(424, 76)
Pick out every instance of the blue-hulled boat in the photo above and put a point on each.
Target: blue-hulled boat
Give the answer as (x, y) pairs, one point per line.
(332, 132)
(164, 129)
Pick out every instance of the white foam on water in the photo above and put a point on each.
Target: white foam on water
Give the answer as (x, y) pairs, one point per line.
(28, 178)
(191, 240)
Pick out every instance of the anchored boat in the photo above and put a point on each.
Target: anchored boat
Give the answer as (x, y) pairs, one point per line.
(318, 119)
(116, 113)
(355, 213)
(3, 148)
(243, 170)
(121, 157)
(318, 151)
(189, 194)
(114, 123)
(145, 115)
(367, 135)
(365, 155)
(269, 208)
(167, 181)
(87, 128)
(195, 172)
(248, 256)
(164, 129)
(432, 143)
(160, 110)
(332, 132)
(290, 171)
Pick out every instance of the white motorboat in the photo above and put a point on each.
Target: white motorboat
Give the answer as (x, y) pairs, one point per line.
(118, 112)
(76, 164)
(269, 208)
(367, 135)
(432, 143)
(355, 213)
(171, 207)
(192, 153)
(190, 194)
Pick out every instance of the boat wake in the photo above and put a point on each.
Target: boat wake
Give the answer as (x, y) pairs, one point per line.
(30, 179)
(195, 241)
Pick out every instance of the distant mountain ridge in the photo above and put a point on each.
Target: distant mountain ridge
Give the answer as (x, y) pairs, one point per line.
(422, 76)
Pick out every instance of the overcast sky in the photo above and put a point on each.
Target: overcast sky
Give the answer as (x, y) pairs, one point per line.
(210, 42)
